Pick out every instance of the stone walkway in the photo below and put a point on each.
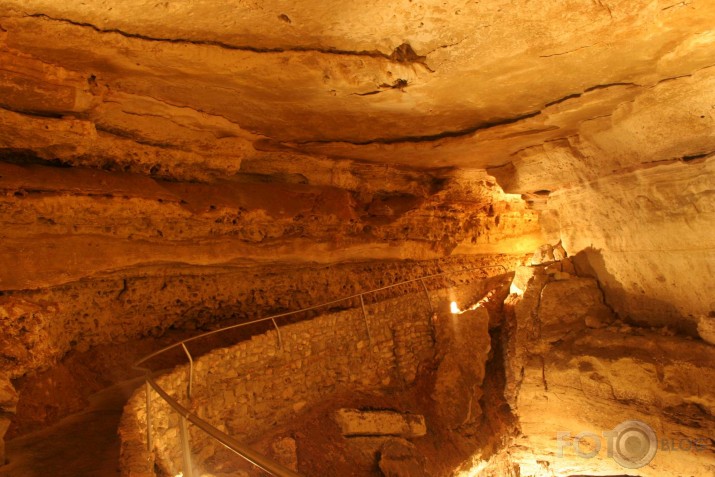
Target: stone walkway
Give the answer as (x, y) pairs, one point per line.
(83, 444)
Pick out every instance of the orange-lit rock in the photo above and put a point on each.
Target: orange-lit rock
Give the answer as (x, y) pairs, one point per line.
(464, 345)
(589, 381)
(167, 167)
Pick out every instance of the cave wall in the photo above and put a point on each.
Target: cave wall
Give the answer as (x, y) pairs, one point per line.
(177, 165)
(93, 257)
(630, 196)
(575, 372)
(252, 387)
(648, 238)
(293, 109)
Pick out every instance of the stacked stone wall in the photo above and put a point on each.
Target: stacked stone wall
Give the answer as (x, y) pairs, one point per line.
(247, 389)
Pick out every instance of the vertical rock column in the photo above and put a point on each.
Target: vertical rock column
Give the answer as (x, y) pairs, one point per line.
(8, 406)
(463, 342)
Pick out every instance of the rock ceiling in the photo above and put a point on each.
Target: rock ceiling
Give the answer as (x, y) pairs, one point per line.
(187, 85)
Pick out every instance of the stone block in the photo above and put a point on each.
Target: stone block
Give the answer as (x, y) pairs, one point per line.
(571, 305)
(522, 276)
(464, 342)
(8, 395)
(354, 422)
(285, 451)
(543, 254)
(706, 329)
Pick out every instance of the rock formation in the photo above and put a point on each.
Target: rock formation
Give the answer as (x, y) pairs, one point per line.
(572, 383)
(171, 167)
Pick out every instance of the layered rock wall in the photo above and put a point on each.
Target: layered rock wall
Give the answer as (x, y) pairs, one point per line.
(134, 310)
(648, 237)
(630, 196)
(575, 373)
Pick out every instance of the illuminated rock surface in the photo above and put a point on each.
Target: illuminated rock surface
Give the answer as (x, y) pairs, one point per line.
(168, 167)
(591, 379)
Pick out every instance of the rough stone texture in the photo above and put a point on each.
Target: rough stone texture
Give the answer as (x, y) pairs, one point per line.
(95, 257)
(4, 425)
(8, 395)
(390, 81)
(567, 306)
(285, 452)
(706, 329)
(67, 224)
(189, 139)
(646, 236)
(41, 326)
(399, 458)
(590, 380)
(246, 389)
(464, 346)
(355, 422)
(8, 406)
(299, 96)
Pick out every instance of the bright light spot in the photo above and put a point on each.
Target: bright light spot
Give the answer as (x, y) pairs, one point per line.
(454, 308)
(515, 289)
(180, 474)
(475, 471)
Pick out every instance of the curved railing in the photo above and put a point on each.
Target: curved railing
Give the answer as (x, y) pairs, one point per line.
(250, 455)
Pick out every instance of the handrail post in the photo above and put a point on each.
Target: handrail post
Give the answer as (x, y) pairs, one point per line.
(280, 338)
(431, 311)
(429, 300)
(148, 417)
(191, 370)
(364, 317)
(186, 447)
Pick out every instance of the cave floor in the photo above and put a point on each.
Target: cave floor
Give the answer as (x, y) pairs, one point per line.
(82, 444)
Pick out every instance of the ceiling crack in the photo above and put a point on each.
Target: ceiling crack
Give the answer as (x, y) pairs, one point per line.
(569, 51)
(688, 75)
(397, 56)
(426, 138)
(679, 4)
(461, 132)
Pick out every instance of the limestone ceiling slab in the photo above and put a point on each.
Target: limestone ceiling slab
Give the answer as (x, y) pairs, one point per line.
(428, 84)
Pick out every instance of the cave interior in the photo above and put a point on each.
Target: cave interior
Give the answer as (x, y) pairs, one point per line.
(485, 229)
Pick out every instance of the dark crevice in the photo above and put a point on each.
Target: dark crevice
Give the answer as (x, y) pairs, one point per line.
(34, 113)
(28, 157)
(369, 93)
(400, 84)
(587, 90)
(607, 85)
(124, 288)
(127, 135)
(458, 133)
(269, 178)
(679, 4)
(427, 138)
(694, 157)
(561, 100)
(567, 52)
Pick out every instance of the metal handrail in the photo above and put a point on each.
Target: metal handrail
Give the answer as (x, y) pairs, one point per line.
(232, 444)
(280, 315)
(255, 458)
